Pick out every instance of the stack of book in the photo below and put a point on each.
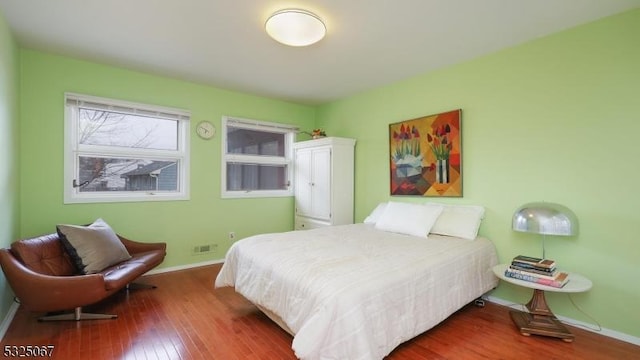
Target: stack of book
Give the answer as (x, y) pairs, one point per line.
(540, 271)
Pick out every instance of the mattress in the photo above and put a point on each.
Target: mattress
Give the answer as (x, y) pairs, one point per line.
(355, 292)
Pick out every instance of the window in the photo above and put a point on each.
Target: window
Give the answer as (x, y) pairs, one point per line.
(120, 151)
(256, 158)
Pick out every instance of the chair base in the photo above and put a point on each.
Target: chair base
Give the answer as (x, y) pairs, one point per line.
(77, 315)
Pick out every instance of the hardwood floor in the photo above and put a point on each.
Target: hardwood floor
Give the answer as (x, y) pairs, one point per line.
(186, 318)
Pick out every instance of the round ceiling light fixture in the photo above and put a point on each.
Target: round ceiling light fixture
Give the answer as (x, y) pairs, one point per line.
(295, 27)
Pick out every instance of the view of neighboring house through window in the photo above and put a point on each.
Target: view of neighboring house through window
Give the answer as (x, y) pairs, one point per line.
(256, 158)
(121, 151)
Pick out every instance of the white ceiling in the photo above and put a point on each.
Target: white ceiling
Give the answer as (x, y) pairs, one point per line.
(223, 43)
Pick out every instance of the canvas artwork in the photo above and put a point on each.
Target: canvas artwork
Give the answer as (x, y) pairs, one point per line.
(426, 156)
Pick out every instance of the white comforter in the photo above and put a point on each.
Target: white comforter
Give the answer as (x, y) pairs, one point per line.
(354, 292)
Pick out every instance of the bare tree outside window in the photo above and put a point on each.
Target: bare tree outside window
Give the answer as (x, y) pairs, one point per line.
(114, 129)
(98, 127)
(117, 150)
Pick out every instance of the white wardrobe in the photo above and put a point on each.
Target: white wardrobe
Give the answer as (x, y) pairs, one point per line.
(323, 181)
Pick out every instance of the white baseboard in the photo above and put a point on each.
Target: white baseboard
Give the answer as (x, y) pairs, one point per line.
(4, 326)
(581, 324)
(184, 267)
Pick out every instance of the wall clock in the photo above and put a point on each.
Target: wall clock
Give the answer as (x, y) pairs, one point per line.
(205, 130)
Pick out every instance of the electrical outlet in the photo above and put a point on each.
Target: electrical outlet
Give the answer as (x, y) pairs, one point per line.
(232, 235)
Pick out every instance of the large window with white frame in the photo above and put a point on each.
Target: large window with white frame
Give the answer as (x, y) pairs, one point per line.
(256, 158)
(122, 151)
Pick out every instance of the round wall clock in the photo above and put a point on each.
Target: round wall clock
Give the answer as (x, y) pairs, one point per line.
(205, 130)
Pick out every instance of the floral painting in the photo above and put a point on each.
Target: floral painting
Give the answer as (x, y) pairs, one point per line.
(425, 156)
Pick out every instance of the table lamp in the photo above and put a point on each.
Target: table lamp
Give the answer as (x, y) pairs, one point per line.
(545, 218)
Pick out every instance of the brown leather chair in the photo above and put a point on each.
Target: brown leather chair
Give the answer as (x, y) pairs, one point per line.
(44, 279)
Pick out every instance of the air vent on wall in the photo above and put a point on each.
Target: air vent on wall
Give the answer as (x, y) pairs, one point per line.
(203, 249)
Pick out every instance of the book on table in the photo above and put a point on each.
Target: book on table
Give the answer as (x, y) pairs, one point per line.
(542, 274)
(533, 270)
(534, 261)
(558, 281)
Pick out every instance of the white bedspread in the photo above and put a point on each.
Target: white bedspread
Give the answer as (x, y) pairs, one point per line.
(354, 292)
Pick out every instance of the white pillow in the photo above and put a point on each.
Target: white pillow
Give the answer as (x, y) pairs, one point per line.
(458, 220)
(375, 214)
(409, 219)
(92, 248)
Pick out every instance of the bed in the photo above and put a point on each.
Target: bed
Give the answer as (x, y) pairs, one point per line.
(356, 291)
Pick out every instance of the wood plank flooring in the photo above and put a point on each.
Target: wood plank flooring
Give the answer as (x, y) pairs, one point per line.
(186, 318)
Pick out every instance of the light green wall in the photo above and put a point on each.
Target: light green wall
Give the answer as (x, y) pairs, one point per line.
(9, 173)
(549, 120)
(555, 119)
(205, 219)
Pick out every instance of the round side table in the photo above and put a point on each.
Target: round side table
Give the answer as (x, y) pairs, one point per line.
(540, 320)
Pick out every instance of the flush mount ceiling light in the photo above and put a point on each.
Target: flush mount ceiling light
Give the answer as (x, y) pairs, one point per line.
(295, 27)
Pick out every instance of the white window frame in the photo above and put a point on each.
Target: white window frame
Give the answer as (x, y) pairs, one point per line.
(73, 150)
(287, 160)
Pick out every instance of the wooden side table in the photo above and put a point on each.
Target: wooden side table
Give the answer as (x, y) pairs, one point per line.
(540, 320)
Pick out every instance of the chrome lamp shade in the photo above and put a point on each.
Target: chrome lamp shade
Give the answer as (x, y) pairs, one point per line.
(545, 218)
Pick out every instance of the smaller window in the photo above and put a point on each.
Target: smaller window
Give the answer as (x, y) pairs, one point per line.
(120, 151)
(256, 158)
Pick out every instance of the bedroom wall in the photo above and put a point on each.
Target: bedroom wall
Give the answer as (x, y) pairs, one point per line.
(9, 168)
(552, 120)
(204, 219)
